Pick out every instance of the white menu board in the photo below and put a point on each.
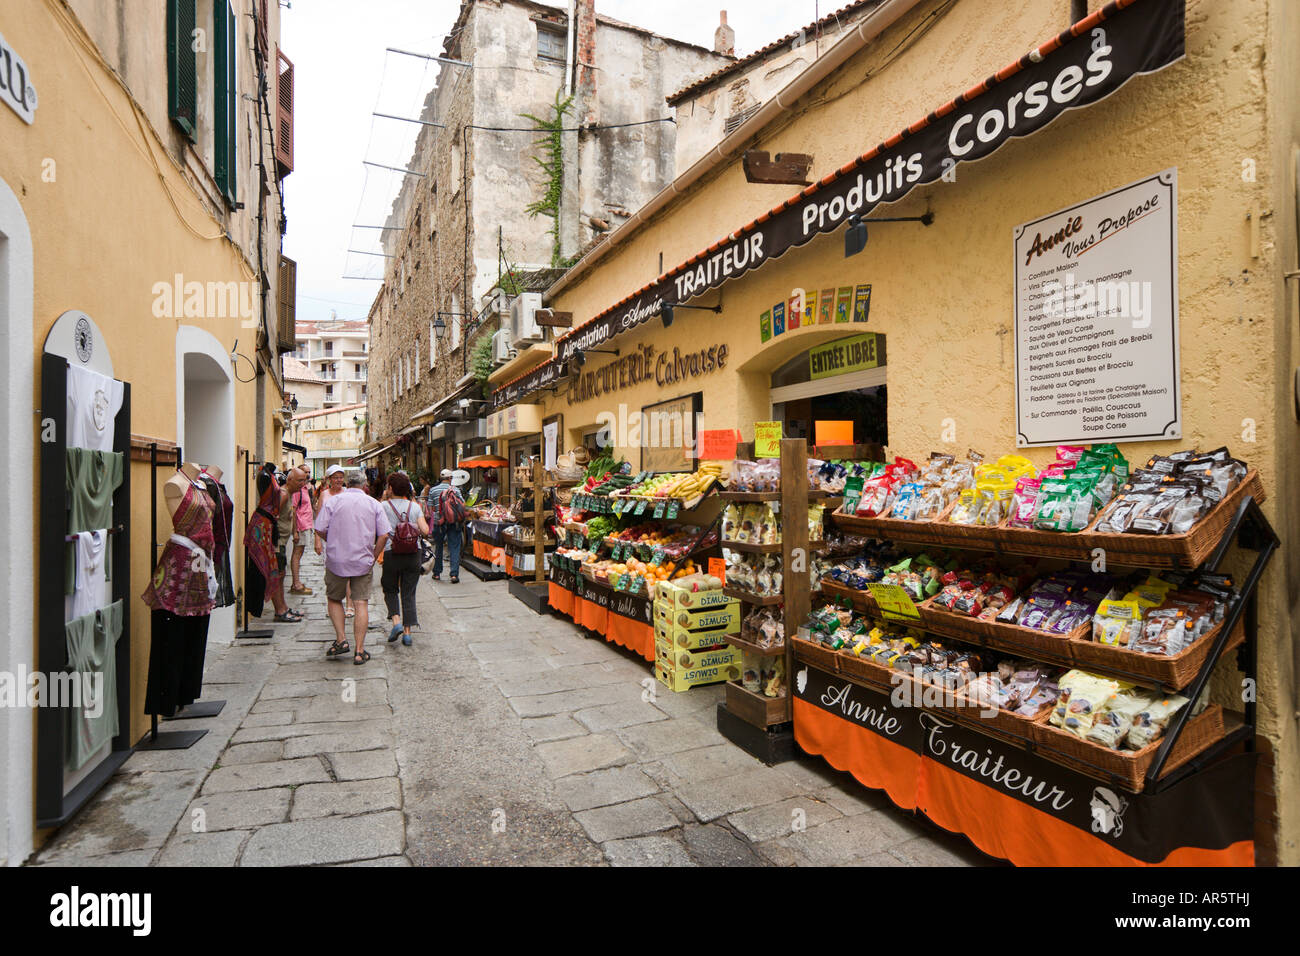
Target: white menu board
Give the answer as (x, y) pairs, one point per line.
(1097, 319)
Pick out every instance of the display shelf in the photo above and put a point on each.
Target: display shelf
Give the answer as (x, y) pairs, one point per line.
(770, 600)
(750, 496)
(1183, 551)
(756, 709)
(742, 642)
(769, 548)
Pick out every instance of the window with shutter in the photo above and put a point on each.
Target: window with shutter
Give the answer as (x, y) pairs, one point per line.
(284, 114)
(182, 69)
(225, 93)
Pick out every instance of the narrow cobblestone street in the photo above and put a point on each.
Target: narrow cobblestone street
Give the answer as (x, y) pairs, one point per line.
(500, 737)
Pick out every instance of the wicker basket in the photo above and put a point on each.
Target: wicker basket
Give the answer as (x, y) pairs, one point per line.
(1127, 768)
(837, 592)
(1043, 645)
(1005, 725)
(866, 671)
(930, 531)
(818, 655)
(1187, 550)
(1172, 671)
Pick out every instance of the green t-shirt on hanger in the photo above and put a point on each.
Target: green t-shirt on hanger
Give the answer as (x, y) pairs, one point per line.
(91, 479)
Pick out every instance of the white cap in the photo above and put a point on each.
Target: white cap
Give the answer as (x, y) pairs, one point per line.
(333, 470)
(446, 473)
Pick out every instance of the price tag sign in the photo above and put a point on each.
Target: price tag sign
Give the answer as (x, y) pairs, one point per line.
(767, 439)
(657, 555)
(718, 568)
(659, 508)
(641, 506)
(673, 510)
(895, 603)
(718, 444)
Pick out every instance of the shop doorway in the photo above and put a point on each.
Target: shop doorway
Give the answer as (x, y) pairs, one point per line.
(17, 579)
(205, 429)
(842, 380)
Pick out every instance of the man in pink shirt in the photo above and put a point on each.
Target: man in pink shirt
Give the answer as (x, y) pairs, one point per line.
(354, 528)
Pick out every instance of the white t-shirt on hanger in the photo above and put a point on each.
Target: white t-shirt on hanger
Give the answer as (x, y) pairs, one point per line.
(93, 403)
(90, 586)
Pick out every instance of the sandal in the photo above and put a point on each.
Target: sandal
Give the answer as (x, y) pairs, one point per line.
(338, 649)
(455, 580)
(361, 658)
(288, 617)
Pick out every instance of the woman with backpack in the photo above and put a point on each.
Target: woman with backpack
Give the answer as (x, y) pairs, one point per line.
(402, 556)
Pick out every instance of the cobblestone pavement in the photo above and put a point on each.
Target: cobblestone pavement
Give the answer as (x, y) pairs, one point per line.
(500, 737)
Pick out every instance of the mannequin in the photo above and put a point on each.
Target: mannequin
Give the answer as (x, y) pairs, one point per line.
(182, 592)
(188, 474)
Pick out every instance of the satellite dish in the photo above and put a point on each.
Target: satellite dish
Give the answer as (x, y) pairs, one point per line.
(459, 478)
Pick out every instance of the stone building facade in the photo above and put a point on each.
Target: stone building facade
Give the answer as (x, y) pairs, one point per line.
(462, 224)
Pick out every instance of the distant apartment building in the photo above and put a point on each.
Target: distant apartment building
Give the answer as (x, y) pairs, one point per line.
(332, 436)
(491, 205)
(337, 356)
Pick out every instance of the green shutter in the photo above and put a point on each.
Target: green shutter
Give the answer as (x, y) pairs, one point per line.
(225, 96)
(182, 72)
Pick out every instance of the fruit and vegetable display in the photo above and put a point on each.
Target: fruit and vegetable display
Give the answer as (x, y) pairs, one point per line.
(684, 486)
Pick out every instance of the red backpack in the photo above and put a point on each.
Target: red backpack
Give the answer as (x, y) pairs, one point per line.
(450, 508)
(406, 538)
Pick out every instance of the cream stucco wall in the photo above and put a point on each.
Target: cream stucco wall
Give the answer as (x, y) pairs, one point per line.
(943, 295)
(112, 214)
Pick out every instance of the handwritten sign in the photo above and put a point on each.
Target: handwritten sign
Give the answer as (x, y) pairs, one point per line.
(767, 439)
(895, 603)
(718, 444)
(718, 568)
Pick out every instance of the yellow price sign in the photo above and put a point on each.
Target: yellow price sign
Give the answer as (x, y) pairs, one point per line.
(767, 439)
(894, 601)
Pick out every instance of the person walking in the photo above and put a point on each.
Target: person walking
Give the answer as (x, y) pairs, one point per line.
(333, 485)
(448, 510)
(355, 530)
(401, 572)
(304, 515)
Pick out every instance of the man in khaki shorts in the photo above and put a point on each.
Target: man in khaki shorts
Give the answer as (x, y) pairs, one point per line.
(354, 528)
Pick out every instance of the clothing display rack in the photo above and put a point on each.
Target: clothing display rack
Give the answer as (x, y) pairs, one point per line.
(54, 806)
(171, 739)
(246, 632)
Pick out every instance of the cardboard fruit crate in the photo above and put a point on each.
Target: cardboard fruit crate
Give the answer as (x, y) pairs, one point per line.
(681, 670)
(691, 600)
(681, 639)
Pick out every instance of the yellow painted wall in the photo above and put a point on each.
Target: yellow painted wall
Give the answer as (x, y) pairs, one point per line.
(104, 231)
(943, 295)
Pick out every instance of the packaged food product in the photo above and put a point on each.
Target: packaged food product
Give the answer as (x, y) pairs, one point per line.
(1117, 623)
(1150, 722)
(1112, 726)
(1083, 697)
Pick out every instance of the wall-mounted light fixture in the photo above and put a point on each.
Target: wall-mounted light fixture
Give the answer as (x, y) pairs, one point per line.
(855, 237)
(666, 310)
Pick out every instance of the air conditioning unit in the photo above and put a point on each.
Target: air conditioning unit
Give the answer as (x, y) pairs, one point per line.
(501, 350)
(523, 325)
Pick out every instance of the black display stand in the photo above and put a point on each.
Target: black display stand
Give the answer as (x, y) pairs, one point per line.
(172, 739)
(247, 632)
(53, 806)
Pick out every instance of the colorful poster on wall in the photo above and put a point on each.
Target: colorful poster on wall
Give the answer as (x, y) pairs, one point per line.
(778, 319)
(767, 439)
(810, 308)
(862, 303)
(794, 309)
(826, 313)
(843, 303)
(765, 325)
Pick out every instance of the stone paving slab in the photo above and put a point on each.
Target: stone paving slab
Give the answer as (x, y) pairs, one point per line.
(543, 705)
(717, 797)
(238, 810)
(709, 763)
(347, 798)
(336, 743)
(780, 819)
(261, 776)
(654, 740)
(647, 851)
(850, 839)
(634, 818)
(713, 845)
(556, 727)
(203, 849)
(603, 787)
(626, 713)
(363, 765)
(330, 840)
(581, 754)
(382, 861)
(285, 731)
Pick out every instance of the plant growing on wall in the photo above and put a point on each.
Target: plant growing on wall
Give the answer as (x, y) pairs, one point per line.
(480, 363)
(551, 144)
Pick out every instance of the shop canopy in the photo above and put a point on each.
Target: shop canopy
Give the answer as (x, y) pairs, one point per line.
(483, 461)
(1077, 68)
(373, 454)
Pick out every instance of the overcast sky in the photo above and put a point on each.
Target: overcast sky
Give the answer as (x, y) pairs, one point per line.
(342, 74)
